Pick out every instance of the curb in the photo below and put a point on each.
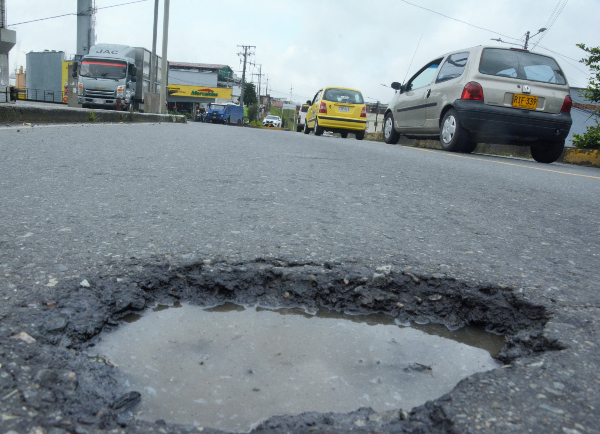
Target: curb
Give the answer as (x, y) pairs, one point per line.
(11, 113)
(581, 157)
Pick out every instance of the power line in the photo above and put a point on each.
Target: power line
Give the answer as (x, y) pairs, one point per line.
(73, 13)
(460, 21)
(558, 9)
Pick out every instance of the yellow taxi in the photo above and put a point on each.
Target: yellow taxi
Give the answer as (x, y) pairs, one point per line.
(337, 109)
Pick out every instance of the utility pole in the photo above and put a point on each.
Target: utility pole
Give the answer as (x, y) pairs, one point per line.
(259, 80)
(164, 68)
(153, 60)
(245, 54)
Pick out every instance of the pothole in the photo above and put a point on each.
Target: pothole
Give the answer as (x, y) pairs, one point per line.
(230, 367)
(55, 376)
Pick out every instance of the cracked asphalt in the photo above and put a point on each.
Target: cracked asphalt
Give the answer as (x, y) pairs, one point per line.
(77, 201)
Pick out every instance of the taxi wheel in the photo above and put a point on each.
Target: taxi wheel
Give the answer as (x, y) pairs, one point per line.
(318, 129)
(390, 135)
(360, 135)
(453, 137)
(306, 129)
(344, 135)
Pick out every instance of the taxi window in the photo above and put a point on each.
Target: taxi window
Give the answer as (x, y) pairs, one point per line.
(344, 96)
(453, 67)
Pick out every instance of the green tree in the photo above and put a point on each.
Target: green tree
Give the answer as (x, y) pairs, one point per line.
(591, 138)
(252, 112)
(250, 94)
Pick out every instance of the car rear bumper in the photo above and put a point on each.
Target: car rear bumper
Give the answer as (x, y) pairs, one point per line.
(506, 125)
(336, 124)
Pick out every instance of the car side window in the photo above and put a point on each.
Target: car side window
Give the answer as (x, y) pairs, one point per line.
(453, 67)
(316, 97)
(425, 76)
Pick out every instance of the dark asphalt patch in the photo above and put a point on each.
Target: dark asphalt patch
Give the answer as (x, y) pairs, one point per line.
(50, 383)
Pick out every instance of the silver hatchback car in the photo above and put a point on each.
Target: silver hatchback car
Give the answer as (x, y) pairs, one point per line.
(497, 95)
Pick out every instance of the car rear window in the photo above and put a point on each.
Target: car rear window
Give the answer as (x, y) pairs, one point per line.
(305, 108)
(521, 64)
(343, 95)
(453, 67)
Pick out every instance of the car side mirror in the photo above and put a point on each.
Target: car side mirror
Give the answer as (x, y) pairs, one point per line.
(309, 102)
(133, 79)
(396, 85)
(75, 66)
(133, 70)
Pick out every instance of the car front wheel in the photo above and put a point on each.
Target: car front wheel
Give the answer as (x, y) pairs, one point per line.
(548, 153)
(344, 135)
(453, 137)
(318, 129)
(390, 135)
(306, 129)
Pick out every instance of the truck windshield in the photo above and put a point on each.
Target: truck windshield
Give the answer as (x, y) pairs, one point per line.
(217, 107)
(103, 69)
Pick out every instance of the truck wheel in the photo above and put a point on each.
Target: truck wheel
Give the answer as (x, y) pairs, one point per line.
(360, 135)
(344, 135)
(548, 153)
(318, 129)
(453, 137)
(390, 135)
(229, 121)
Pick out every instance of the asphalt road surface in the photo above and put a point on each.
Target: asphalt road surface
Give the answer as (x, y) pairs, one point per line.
(76, 199)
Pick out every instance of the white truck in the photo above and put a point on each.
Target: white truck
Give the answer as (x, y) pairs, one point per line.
(114, 77)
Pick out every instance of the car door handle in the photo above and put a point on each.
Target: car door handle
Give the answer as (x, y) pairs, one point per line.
(428, 93)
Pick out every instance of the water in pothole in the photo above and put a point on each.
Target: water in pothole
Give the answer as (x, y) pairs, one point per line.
(229, 367)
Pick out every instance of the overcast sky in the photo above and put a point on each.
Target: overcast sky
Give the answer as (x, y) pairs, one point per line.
(305, 45)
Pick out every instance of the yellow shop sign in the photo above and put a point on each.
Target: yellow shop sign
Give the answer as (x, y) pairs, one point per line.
(199, 91)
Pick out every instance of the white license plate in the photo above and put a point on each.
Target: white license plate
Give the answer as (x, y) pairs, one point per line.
(98, 101)
(344, 109)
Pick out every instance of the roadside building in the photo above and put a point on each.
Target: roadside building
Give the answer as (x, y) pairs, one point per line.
(47, 76)
(192, 85)
(8, 39)
(584, 114)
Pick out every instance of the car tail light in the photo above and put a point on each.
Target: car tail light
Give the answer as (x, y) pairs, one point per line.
(472, 90)
(80, 88)
(120, 91)
(363, 112)
(567, 104)
(323, 108)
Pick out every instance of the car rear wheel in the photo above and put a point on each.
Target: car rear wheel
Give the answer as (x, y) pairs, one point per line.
(318, 129)
(548, 153)
(390, 135)
(306, 129)
(344, 135)
(453, 137)
(360, 135)
(469, 147)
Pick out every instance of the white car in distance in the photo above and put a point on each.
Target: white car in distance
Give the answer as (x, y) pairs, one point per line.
(272, 121)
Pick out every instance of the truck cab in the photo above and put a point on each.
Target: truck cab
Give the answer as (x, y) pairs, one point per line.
(108, 77)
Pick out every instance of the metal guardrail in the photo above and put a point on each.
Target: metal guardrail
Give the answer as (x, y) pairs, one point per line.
(55, 96)
(52, 96)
